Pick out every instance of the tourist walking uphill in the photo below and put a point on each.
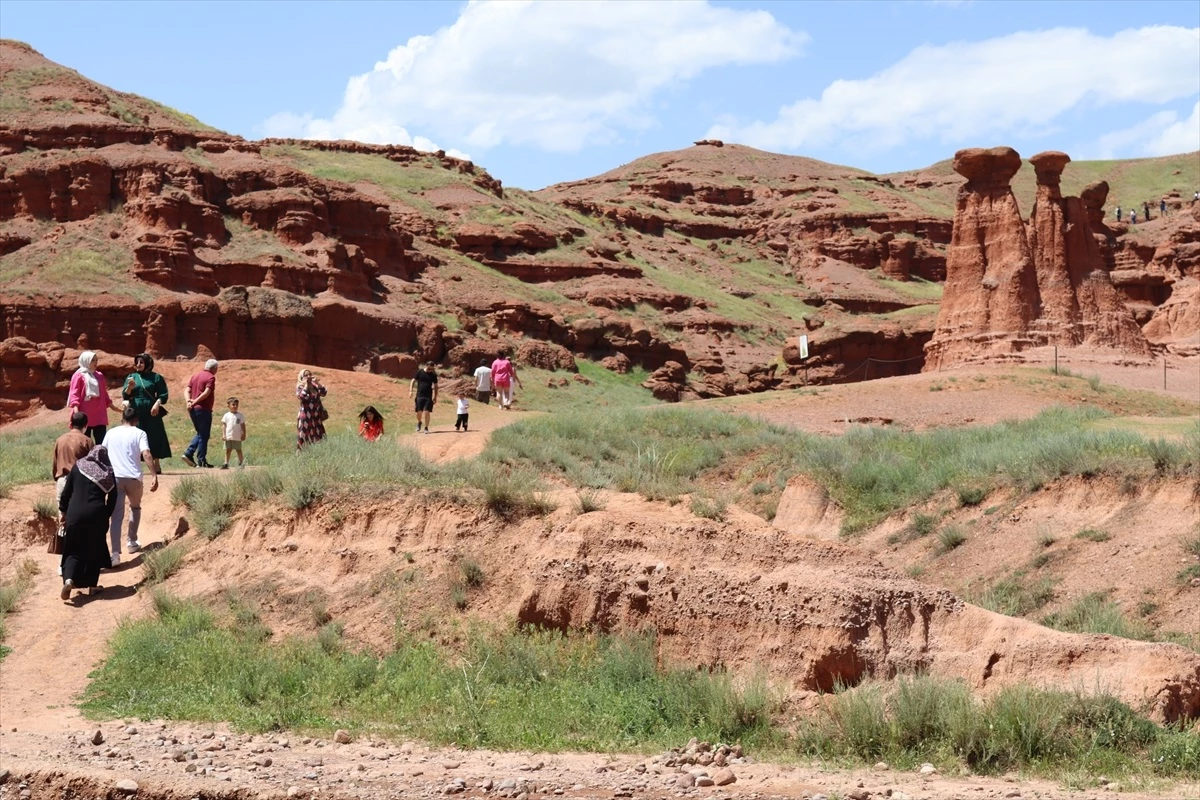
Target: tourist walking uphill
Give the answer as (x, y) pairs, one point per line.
(89, 394)
(425, 384)
(128, 446)
(198, 397)
(87, 502)
(310, 419)
(483, 383)
(146, 392)
(69, 448)
(504, 374)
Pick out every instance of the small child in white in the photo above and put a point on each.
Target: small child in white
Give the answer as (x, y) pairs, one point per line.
(461, 406)
(233, 432)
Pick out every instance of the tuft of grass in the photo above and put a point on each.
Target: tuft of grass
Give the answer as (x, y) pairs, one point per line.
(472, 573)
(1093, 535)
(1098, 613)
(588, 501)
(458, 593)
(708, 507)
(1046, 539)
(161, 563)
(971, 495)
(1040, 560)
(1015, 596)
(1094, 382)
(46, 509)
(1188, 574)
(12, 591)
(1191, 545)
(949, 538)
(503, 689)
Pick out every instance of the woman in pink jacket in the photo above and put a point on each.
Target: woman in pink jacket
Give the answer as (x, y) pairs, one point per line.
(89, 394)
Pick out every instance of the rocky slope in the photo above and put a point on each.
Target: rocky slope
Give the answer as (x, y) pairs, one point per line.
(126, 225)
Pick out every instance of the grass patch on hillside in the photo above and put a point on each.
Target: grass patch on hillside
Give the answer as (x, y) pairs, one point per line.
(870, 472)
(247, 243)
(1098, 613)
(918, 719)
(11, 592)
(917, 288)
(79, 262)
(1014, 596)
(505, 689)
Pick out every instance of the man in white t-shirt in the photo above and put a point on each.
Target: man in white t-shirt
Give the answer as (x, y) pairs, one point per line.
(483, 383)
(127, 448)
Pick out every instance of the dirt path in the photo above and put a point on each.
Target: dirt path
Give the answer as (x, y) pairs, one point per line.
(443, 443)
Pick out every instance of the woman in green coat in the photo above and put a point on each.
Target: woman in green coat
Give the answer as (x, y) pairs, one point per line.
(146, 391)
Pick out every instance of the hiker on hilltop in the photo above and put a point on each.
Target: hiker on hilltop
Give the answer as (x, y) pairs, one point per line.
(145, 391)
(483, 382)
(310, 419)
(87, 502)
(1162, 207)
(504, 373)
(127, 446)
(1118, 213)
(89, 394)
(198, 397)
(1133, 216)
(1146, 211)
(425, 384)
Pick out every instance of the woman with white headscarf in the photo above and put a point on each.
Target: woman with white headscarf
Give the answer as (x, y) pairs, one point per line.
(89, 395)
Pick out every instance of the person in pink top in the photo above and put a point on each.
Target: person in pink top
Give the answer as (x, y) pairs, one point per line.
(89, 395)
(504, 374)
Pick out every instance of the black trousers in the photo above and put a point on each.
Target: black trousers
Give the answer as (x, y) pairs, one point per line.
(461, 419)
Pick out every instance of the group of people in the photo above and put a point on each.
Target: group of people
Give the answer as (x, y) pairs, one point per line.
(491, 380)
(1133, 214)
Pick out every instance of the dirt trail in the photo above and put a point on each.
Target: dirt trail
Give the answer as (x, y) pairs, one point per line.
(443, 443)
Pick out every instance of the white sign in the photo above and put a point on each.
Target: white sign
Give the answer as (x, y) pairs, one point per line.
(803, 347)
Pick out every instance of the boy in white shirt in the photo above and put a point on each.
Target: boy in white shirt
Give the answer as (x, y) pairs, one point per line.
(461, 407)
(233, 432)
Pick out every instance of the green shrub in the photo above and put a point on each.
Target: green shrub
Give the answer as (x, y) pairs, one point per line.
(46, 509)
(304, 492)
(708, 507)
(1188, 574)
(472, 573)
(1191, 545)
(949, 538)
(1094, 382)
(588, 501)
(1097, 613)
(922, 525)
(1046, 539)
(1015, 596)
(458, 593)
(971, 495)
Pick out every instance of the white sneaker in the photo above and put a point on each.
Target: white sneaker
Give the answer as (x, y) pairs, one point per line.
(116, 559)
(67, 586)
(133, 547)
(60, 570)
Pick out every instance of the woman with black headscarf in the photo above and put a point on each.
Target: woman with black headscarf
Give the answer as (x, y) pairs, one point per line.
(146, 391)
(87, 503)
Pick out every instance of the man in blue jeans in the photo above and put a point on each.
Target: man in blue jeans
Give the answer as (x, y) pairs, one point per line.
(199, 395)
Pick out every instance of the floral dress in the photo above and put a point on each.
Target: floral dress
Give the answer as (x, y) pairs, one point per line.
(310, 422)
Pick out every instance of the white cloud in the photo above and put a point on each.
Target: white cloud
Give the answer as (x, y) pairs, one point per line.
(967, 91)
(1162, 134)
(556, 75)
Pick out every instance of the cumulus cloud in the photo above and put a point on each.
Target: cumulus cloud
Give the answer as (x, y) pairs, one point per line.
(1020, 84)
(555, 75)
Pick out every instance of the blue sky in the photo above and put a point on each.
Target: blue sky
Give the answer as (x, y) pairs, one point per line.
(545, 92)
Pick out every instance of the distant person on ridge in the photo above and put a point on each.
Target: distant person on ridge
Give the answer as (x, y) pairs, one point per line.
(370, 424)
(146, 393)
(127, 446)
(1133, 216)
(198, 397)
(504, 373)
(89, 394)
(310, 419)
(1146, 211)
(425, 384)
(483, 383)
(1162, 207)
(1118, 213)
(87, 502)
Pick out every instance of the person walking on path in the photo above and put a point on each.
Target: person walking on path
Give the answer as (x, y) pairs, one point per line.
(425, 384)
(483, 383)
(198, 397)
(89, 394)
(1118, 213)
(504, 374)
(127, 446)
(310, 419)
(146, 393)
(233, 432)
(1146, 211)
(1162, 207)
(462, 406)
(370, 424)
(87, 502)
(69, 448)
(1133, 216)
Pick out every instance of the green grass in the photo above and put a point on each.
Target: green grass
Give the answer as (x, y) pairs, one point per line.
(11, 592)
(870, 472)
(1014, 596)
(1097, 613)
(161, 563)
(918, 719)
(1093, 535)
(505, 689)
(949, 538)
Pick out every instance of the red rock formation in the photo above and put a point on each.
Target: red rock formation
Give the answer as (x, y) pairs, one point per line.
(1078, 302)
(991, 294)
(41, 373)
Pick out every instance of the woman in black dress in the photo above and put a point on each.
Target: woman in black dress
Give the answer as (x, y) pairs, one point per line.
(87, 503)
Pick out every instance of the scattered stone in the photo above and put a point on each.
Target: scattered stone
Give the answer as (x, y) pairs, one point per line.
(130, 730)
(341, 736)
(704, 780)
(4, 776)
(724, 777)
(263, 761)
(98, 737)
(127, 786)
(898, 795)
(1013, 793)
(881, 766)
(858, 794)
(685, 781)
(928, 769)
(293, 791)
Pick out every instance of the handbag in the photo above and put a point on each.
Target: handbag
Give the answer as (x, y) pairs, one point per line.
(56, 541)
(323, 415)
